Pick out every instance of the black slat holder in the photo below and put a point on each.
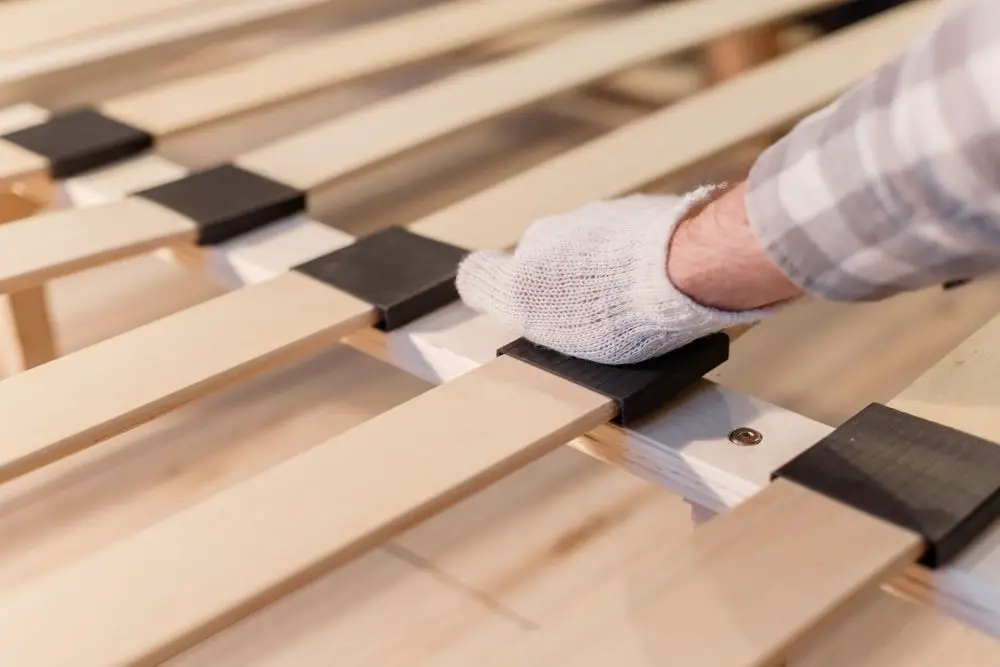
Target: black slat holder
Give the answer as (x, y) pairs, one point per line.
(930, 479)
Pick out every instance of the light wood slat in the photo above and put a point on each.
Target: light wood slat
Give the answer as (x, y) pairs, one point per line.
(475, 95)
(312, 158)
(17, 434)
(19, 116)
(761, 576)
(134, 37)
(182, 105)
(185, 104)
(118, 614)
(31, 24)
(767, 97)
(297, 323)
(70, 240)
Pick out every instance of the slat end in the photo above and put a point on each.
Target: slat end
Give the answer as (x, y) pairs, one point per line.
(403, 275)
(78, 140)
(637, 389)
(930, 479)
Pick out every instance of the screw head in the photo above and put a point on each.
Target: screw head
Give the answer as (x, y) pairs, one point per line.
(745, 437)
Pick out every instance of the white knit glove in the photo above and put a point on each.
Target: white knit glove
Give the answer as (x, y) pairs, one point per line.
(592, 283)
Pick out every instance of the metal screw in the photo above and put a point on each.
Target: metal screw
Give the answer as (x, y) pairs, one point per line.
(745, 437)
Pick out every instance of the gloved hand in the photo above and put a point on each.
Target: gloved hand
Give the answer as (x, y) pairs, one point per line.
(592, 283)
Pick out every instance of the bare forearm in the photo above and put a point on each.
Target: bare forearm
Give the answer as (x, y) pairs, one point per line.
(715, 259)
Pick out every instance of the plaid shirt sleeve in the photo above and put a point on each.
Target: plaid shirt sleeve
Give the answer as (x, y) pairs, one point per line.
(896, 185)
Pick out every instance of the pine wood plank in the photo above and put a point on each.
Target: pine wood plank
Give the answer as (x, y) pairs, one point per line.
(186, 103)
(372, 47)
(473, 96)
(31, 24)
(69, 240)
(128, 38)
(277, 336)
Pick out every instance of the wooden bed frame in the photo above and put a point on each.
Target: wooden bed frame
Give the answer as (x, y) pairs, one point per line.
(277, 471)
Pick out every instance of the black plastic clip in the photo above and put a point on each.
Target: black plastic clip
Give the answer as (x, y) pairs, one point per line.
(637, 389)
(78, 140)
(933, 480)
(403, 275)
(227, 201)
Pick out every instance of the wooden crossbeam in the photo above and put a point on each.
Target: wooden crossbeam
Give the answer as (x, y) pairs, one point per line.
(66, 241)
(542, 424)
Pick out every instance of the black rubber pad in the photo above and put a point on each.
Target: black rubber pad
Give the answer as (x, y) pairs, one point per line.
(403, 275)
(227, 201)
(933, 480)
(637, 389)
(78, 140)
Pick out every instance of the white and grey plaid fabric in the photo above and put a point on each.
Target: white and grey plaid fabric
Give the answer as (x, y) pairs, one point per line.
(896, 185)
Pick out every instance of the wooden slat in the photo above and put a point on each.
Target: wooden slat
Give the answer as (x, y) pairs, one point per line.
(312, 158)
(505, 212)
(473, 96)
(190, 102)
(268, 337)
(119, 614)
(767, 97)
(203, 18)
(185, 104)
(53, 244)
(960, 391)
(31, 24)
(761, 576)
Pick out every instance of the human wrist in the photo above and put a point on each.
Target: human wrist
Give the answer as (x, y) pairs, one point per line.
(715, 260)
